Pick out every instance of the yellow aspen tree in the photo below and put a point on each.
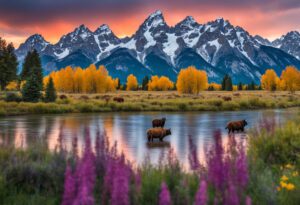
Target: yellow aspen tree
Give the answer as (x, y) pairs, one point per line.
(132, 83)
(78, 80)
(90, 79)
(269, 80)
(215, 86)
(101, 81)
(290, 79)
(69, 79)
(191, 80)
(153, 83)
(165, 83)
(111, 84)
(13, 85)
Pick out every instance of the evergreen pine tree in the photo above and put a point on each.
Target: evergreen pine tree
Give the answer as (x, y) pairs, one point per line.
(251, 86)
(8, 64)
(145, 83)
(50, 95)
(240, 86)
(224, 82)
(32, 63)
(227, 83)
(26, 66)
(210, 88)
(118, 84)
(31, 91)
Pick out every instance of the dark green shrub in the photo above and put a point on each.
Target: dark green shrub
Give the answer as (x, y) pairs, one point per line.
(13, 97)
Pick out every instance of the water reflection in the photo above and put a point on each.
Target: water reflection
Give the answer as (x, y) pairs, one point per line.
(129, 130)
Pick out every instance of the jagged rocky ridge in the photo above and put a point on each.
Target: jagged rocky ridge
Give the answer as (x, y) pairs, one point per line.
(158, 49)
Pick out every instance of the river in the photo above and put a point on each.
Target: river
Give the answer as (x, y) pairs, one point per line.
(129, 129)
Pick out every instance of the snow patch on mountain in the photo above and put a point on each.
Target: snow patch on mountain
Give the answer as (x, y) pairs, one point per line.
(62, 54)
(171, 46)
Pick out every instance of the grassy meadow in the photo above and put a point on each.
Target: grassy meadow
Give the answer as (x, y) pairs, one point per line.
(154, 101)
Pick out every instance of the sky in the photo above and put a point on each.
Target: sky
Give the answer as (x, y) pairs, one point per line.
(53, 18)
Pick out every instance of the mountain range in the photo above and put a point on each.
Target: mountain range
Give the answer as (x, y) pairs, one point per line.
(158, 49)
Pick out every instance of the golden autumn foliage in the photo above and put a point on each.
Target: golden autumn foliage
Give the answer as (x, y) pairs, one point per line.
(132, 83)
(11, 86)
(160, 83)
(191, 80)
(290, 79)
(78, 80)
(269, 80)
(214, 86)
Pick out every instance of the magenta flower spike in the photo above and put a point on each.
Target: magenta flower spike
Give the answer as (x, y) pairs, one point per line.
(201, 195)
(69, 187)
(164, 196)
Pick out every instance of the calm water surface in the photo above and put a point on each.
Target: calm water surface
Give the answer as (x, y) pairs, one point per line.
(129, 129)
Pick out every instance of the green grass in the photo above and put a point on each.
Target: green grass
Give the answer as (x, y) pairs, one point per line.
(156, 101)
(273, 154)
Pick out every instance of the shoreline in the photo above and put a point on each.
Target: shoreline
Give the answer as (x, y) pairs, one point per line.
(156, 101)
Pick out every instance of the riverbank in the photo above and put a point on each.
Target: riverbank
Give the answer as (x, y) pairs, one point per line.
(268, 173)
(155, 101)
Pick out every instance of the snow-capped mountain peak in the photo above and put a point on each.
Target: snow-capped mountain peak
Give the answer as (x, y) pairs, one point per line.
(103, 29)
(81, 31)
(35, 41)
(290, 43)
(216, 46)
(187, 23)
(155, 19)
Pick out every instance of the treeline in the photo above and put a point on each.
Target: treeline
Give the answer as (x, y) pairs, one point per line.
(289, 80)
(78, 80)
(97, 80)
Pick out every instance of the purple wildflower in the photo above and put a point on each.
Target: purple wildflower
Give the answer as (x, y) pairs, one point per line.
(86, 175)
(232, 197)
(241, 168)
(193, 155)
(216, 168)
(164, 196)
(201, 195)
(248, 200)
(69, 187)
(120, 185)
(84, 196)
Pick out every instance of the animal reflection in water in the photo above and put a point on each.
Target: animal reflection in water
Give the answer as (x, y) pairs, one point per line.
(158, 144)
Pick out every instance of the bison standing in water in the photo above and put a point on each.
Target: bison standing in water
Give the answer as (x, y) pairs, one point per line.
(158, 122)
(159, 133)
(236, 126)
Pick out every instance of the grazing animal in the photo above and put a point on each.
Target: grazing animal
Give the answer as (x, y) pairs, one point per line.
(157, 132)
(236, 126)
(227, 98)
(118, 99)
(158, 122)
(62, 97)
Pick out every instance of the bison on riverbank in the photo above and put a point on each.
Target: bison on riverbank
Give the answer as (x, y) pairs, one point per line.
(236, 126)
(158, 122)
(159, 133)
(118, 99)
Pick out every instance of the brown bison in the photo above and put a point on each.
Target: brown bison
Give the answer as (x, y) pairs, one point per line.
(118, 99)
(157, 132)
(158, 122)
(236, 126)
